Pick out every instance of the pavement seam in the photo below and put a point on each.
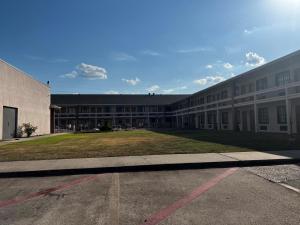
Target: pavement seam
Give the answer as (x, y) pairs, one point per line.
(114, 200)
(161, 215)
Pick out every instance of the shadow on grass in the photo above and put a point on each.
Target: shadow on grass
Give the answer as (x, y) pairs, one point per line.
(258, 141)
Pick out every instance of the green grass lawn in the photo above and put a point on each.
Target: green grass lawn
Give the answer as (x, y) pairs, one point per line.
(141, 142)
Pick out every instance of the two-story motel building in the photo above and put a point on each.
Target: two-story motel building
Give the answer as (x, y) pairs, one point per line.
(265, 99)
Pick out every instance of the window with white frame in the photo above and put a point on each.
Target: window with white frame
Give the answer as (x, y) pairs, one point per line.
(282, 78)
(263, 115)
(281, 114)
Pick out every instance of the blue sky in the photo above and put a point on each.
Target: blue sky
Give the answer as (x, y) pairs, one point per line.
(139, 46)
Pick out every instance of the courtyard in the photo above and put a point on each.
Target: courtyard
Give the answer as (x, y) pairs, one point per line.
(143, 142)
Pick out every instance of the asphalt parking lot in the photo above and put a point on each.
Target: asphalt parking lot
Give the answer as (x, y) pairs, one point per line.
(205, 196)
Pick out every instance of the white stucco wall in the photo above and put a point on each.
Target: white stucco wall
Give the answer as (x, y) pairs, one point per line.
(31, 97)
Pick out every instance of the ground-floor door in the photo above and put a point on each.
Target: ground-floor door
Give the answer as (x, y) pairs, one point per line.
(252, 121)
(298, 118)
(9, 122)
(245, 120)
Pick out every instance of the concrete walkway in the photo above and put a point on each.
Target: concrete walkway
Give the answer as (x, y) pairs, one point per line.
(146, 163)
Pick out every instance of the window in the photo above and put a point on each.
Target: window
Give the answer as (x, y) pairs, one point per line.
(70, 110)
(243, 89)
(224, 117)
(224, 94)
(297, 74)
(250, 87)
(211, 118)
(202, 118)
(210, 98)
(140, 108)
(201, 100)
(281, 114)
(237, 116)
(127, 109)
(107, 109)
(282, 78)
(119, 109)
(84, 109)
(237, 91)
(261, 84)
(263, 115)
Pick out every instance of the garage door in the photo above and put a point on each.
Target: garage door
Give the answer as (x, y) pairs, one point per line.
(9, 122)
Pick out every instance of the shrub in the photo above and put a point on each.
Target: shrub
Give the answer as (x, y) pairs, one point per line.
(105, 127)
(29, 129)
(20, 132)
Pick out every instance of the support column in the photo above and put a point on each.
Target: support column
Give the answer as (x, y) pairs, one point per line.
(148, 117)
(182, 121)
(114, 115)
(288, 115)
(131, 116)
(177, 122)
(196, 121)
(288, 111)
(218, 119)
(205, 120)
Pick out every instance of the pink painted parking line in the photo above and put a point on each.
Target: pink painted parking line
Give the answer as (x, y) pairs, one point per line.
(68, 185)
(167, 211)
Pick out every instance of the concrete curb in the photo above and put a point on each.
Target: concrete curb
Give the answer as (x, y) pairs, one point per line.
(150, 167)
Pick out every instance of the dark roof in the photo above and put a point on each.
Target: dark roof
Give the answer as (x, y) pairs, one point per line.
(115, 99)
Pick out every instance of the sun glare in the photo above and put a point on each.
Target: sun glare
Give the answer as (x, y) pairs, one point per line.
(286, 4)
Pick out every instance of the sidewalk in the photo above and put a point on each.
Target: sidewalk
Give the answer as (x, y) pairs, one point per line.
(146, 163)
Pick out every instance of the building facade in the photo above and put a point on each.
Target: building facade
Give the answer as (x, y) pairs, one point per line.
(265, 99)
(22, 100)
(87, 112)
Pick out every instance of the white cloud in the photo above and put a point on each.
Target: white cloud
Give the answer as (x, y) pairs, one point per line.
(201, 82)
(248, 31)
(153, 88)
(182, 88)
(150, 52)
(71, 75)
(228, 66)
(253, 59)
(132, 82)
(47, 60)
(209, 66)
(208, 80)
(121, 56)
(112, 92)
(91, 72)
(251, 31)
(195, 50)
(168, 91)
(172, 90)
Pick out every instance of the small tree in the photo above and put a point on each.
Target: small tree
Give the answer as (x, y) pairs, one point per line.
(29, 129)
